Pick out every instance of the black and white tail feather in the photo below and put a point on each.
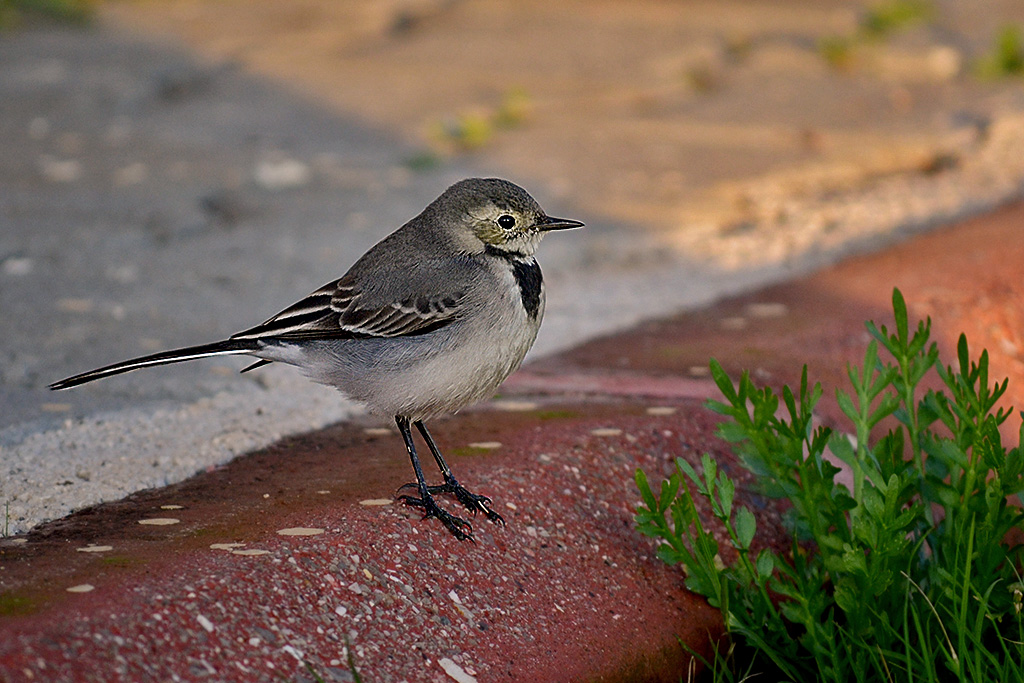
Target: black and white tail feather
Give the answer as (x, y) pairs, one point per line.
(221, 348)
(331, 312)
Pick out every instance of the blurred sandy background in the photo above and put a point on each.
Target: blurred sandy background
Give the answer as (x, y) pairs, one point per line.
(666, 115)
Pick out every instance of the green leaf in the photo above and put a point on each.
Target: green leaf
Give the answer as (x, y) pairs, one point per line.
(724, 382)
(645, 489)
(746, 526)
(842, 448)
(899, 309)
(726, 492)
(846, 405)
(669, 555)
(765, 564)
(847, 596)
(710, 467)
(669, 488)
(687, 469)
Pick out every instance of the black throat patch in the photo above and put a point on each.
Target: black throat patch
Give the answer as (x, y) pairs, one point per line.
(528, 277)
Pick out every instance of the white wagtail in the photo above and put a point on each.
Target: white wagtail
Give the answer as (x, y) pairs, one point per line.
(431, 319)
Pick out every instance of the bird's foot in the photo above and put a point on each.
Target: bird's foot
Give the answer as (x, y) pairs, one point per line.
(458, 527)
(471, 501)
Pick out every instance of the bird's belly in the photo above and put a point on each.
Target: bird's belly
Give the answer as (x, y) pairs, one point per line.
(443, 384)
(420, 376)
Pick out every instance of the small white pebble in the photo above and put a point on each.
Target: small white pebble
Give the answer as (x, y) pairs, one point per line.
(511, 506)
(60, 170)
(767, 310)
(18, 266)
(282, 173)
(172, 507)
(486, 445)
(160, 521)
(75, 305)
(132, 174)
(372, 502)
(456, 672)
(377, 431)
(661, 410)
(299, 531)
(293, 652)
(515, 406)
(205, 623)
(225, 546)
(95, 549)
(606, 431)
(250, 553)
(80, 588)
(733, 324)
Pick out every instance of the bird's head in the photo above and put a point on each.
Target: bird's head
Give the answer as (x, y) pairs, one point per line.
(500, 215)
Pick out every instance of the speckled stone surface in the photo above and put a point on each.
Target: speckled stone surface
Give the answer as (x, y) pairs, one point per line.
(281, 563)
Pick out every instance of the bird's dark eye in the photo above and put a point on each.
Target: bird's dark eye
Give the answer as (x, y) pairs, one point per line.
(506, 222)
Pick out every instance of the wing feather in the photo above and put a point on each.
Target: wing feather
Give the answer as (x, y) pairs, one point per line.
(338, 311)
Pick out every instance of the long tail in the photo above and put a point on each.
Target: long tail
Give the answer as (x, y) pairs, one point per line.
(221, 348)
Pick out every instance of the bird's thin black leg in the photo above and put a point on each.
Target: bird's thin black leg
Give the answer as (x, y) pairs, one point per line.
(471, 501)
(459, 528)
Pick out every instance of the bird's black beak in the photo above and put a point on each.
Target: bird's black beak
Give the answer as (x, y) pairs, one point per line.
(548, 223)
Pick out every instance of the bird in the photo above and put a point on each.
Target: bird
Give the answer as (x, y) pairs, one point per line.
(432, 318)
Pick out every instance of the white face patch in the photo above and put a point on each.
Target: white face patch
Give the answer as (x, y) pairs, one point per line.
(524, 243)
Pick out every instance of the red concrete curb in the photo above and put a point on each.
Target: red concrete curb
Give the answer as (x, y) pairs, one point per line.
(567, 591)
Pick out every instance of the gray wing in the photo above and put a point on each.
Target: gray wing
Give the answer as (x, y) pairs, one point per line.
(343, 310)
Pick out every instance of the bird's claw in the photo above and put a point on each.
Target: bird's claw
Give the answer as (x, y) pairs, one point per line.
(471, 501)
(476, 503)
(458, 527)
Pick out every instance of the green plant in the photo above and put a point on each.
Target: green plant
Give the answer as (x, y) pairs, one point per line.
(1007, 56)
(879, 22)
(888, 17)
(514, 109)
(907, 577)
(473, 129)
(837, 51)
(422, 161)
(73, 11)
